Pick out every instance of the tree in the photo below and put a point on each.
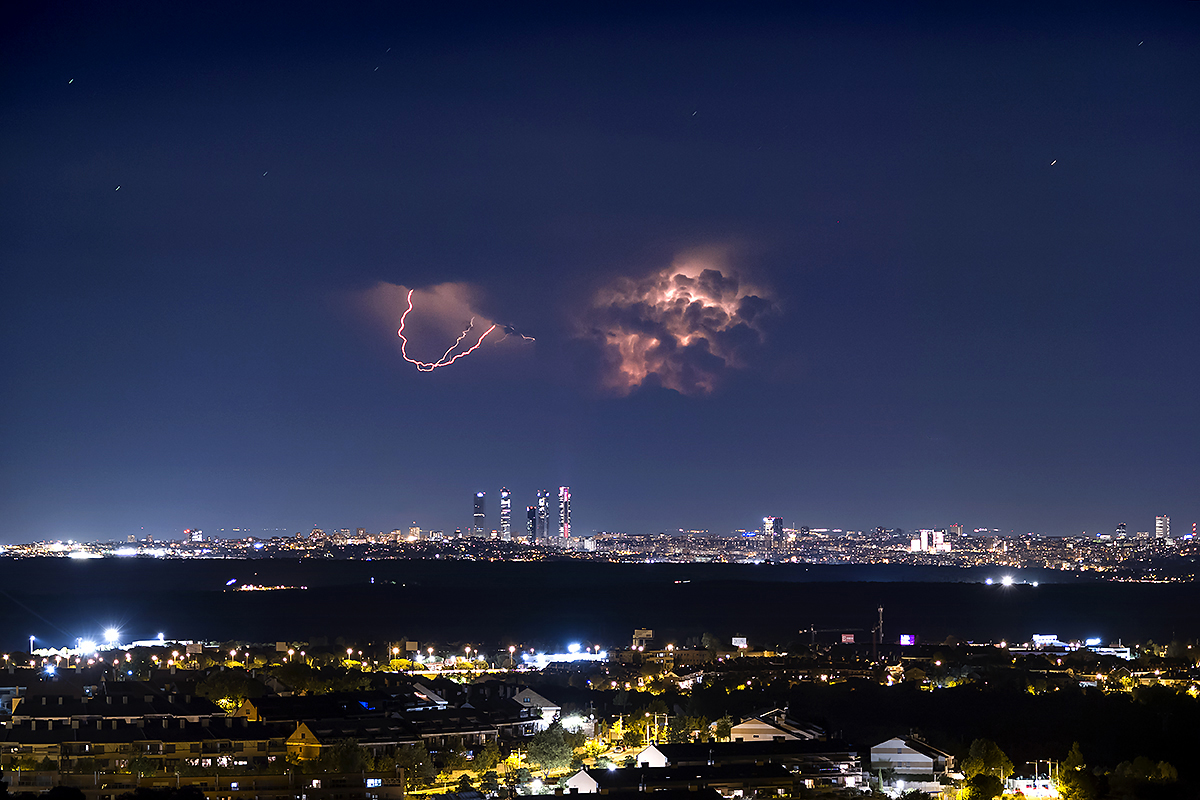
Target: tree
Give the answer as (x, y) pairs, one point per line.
(549, 750)
(982, 786)
(345, 755)
(1074, 782)
(419, 771)
(140, 764)
(678, 730)
(488, 757)
(490, 782)
(452, 761)
(986, 758)
(723, 729)
(228, 688)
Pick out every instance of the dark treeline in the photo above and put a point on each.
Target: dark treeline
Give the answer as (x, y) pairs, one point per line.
(552, 603)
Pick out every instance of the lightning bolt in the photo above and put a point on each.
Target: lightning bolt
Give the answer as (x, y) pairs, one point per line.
(446, 360)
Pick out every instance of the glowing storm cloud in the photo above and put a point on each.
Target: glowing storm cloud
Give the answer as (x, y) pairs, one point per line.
(681, 327)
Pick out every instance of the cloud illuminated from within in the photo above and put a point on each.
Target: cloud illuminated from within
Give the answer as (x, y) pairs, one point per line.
(682, 327)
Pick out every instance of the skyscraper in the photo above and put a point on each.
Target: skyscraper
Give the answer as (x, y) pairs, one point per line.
(531, 523)
(564, 513)
(773, 531)
(1162, 527)
(480, 517)
(505, 514)
(1122, 530)
(542, 531)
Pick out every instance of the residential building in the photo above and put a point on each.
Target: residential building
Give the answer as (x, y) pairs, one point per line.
(910, 756)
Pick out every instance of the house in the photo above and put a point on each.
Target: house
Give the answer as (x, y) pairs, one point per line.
(813, 762)
(531, 699)
(421, 698)
(732, 780)
(107, 745)
(454, 728)
(775, 725)
(335, 705)
(910, 756)
(379, 735)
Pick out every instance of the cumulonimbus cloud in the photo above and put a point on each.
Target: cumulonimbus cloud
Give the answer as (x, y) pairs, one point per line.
(682, 327)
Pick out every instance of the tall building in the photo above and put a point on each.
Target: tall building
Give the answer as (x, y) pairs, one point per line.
(1122, 530)
(773, 531)
(505, 514)
(1162, 527)
(542, 531)
(564, 513)
(531, 523)
(480, 519)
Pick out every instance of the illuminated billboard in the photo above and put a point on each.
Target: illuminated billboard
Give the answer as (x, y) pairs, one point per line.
(908, 639)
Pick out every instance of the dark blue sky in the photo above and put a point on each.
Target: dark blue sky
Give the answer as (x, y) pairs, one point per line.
(973, 234)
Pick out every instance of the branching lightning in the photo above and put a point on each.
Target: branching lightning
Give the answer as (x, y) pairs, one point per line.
(446, 359)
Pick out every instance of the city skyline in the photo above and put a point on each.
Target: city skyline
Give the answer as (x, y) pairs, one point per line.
(859, 266)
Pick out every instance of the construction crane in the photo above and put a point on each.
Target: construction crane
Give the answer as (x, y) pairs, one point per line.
(814, 630)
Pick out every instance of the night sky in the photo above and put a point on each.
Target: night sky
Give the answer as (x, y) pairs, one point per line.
(854, 265)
